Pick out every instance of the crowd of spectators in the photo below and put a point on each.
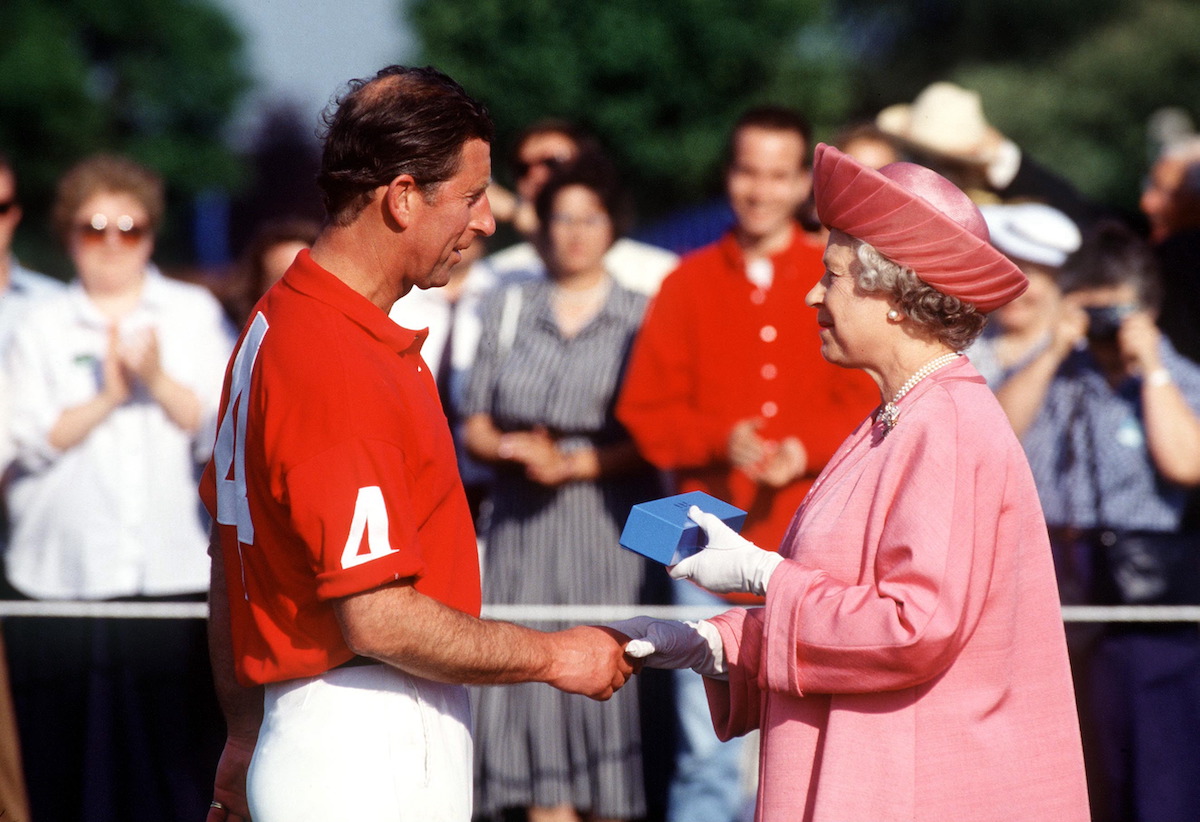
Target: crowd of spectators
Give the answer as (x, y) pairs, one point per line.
(583, 371)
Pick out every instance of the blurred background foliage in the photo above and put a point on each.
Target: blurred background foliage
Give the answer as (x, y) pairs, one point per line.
(156, 79)
(1074, 82)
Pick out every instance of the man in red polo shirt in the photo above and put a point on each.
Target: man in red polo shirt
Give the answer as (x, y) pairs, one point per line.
(727, 389)
(345, 592)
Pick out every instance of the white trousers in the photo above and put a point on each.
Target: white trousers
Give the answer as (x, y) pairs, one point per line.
(368, 744)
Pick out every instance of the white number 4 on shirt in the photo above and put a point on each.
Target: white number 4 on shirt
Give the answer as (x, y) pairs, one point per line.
(233, 508)
(370, 516)
(230, 448)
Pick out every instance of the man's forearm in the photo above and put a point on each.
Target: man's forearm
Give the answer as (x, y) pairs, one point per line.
(413, 632)
(242, 706)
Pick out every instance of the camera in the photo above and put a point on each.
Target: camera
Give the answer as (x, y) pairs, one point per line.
(1104, 321)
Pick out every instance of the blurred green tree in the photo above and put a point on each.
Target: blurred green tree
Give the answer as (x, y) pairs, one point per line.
(659, 83)
(155, 79)
(1074, 82)
(1086, 109)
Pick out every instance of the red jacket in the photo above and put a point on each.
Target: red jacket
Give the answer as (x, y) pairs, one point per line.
(715, 349)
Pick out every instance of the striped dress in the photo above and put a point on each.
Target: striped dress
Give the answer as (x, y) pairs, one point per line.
(535, 745)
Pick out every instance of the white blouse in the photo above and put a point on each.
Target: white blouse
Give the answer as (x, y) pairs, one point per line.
(118, 514)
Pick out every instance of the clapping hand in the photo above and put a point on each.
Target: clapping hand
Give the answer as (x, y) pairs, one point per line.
(140, 356)
(114, 377)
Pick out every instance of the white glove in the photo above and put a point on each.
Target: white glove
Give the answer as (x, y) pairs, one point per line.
(666, 643)
(729, 563)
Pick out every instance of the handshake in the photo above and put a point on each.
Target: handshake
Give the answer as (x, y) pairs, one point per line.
(666, 643)
(729, 563)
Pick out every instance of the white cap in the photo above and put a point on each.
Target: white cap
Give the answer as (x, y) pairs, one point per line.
(1032, 232)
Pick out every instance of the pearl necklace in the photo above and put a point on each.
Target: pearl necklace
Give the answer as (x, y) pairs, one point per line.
(889, 415)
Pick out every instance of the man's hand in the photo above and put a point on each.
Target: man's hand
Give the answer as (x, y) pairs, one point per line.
(589, 660)
(229, 788)
(666, 643)
(1139, 340)
(730, 563)
(786, 464)
(746, 448)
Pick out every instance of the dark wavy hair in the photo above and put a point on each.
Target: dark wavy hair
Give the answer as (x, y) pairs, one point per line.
(401, 121)
(772, 118)
(584, 142)
(1112, 254)
(595, 172)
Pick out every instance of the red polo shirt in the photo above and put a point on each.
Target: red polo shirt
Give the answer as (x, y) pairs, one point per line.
(333, 473)
(715, 349)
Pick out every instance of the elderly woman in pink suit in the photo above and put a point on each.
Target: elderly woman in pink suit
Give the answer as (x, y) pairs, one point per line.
(909, 663)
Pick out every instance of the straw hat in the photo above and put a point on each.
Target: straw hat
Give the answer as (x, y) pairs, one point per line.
(945, 118)
(917, 218)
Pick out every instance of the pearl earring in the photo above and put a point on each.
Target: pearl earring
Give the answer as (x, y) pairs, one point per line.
(893, 315)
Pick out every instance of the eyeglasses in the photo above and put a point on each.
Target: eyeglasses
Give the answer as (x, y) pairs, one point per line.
(7, 206)
(571, 221)
(96, 232)
(551, 164)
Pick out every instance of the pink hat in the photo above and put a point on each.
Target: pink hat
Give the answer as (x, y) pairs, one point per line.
(918, 219)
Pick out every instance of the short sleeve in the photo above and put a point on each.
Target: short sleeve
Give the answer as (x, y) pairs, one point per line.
(353, 510)
(34, 406)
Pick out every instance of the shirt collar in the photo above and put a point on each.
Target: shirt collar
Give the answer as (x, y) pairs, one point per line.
(311, 279)
(616, 306)
(153, 296)
(736, 259)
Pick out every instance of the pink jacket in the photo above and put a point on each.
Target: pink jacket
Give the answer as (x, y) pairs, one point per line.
(910, 662)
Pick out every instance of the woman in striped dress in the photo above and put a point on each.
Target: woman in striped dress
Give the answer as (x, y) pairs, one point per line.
(540, 408)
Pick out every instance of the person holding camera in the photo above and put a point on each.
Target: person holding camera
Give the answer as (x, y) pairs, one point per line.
(1109, 415)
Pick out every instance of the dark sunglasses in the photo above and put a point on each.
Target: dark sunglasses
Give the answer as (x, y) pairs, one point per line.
(127, 232)
(7, 206)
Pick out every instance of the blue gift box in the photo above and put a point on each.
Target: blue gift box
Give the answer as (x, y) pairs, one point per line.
(660, 529)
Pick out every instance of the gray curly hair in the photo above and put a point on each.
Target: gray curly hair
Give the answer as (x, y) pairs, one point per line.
(947, 318)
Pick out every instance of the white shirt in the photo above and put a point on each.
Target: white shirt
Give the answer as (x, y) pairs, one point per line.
(118, 514)
(24, 288)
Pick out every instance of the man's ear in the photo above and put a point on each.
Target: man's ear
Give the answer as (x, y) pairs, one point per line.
(400, 198)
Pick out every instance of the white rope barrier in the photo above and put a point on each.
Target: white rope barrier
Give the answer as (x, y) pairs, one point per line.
(546, 613)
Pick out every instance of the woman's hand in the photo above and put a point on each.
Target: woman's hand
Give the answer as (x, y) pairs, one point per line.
(140, 357)
(665, 643)
(115, 386)
(544, 462)
(730, 563)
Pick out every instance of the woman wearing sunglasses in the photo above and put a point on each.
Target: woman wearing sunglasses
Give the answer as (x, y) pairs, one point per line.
(112, 384)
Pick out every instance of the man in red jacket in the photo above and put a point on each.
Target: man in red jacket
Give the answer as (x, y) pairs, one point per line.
(728, 391)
